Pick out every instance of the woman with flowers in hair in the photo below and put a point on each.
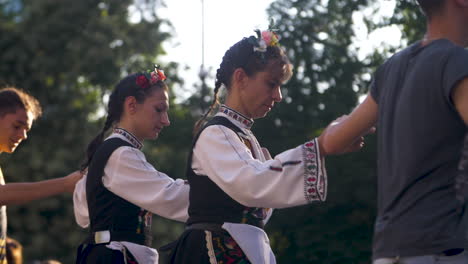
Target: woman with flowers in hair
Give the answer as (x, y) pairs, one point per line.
(121, 190)
(233, 180)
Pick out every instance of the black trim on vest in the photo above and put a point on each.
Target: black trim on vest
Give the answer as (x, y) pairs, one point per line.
(208, 202)
(108, 211)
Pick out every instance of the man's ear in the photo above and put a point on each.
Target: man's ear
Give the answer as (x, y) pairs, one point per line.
(130, 105)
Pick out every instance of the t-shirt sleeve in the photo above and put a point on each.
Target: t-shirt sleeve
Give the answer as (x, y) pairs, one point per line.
(456, 69)
(374, 87)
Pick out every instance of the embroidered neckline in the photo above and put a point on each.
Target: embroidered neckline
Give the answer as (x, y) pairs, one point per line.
(129, 136)
(247, 122)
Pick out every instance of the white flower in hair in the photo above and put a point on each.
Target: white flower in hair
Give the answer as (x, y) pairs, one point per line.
(262, 46)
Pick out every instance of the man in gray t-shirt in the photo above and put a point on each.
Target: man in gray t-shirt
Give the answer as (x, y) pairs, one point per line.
(419, 102)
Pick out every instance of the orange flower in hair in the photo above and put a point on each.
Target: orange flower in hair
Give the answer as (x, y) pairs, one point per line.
(157, 75)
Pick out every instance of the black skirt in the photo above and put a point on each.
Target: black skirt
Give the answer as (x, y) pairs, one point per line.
(100, 254)
(199, 246)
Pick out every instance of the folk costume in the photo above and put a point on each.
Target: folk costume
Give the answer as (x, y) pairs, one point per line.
(233, 185)
(117, 198)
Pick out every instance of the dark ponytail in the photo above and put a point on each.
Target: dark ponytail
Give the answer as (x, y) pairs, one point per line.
(242, 55)
(125, 88)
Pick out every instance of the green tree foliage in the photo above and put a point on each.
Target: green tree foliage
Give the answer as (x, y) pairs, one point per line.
(411, 20)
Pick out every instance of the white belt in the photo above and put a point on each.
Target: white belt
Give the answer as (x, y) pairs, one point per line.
(101, 237)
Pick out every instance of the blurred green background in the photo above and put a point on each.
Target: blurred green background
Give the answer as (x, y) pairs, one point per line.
(63, 53)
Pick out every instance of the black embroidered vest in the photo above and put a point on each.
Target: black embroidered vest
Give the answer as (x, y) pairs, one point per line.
(208, 202)
(107, 211)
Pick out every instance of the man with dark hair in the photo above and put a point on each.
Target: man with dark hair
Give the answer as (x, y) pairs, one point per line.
(18, 110)
(419, 101)
(429, 7)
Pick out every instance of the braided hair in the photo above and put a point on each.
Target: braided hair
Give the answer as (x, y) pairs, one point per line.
(129, 86)
(242, 55)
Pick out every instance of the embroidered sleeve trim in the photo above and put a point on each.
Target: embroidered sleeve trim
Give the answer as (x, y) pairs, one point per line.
(315, 176)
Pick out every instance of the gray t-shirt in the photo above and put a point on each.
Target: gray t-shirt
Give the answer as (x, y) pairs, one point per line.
(461, 181)
(420, 135)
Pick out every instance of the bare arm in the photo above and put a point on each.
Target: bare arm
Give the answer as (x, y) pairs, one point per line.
(460, 99)
(345, 134)
(19, 193)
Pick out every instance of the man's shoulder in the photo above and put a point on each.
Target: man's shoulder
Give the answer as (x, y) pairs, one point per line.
(394, 61)
(438, 50)
(444, 48)
(403, 53)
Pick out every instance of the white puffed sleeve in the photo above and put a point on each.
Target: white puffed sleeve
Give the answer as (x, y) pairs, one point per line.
(128, 175)
(80, 205)
(294, 177)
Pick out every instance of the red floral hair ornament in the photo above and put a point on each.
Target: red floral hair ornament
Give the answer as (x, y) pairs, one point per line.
(142, 81)
(145, 80)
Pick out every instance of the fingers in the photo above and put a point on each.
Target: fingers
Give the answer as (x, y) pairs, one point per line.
(371, 131)
(84, 171)
(357, 145)
(72, 179)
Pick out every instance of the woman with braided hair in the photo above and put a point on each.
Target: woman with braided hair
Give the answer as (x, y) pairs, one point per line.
(121, 190)
(233, 180)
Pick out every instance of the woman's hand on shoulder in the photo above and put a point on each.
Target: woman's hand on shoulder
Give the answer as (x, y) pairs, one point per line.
(71, 180)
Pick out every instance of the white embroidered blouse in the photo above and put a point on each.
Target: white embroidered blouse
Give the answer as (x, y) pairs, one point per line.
(239, 166)
(294, 177)
(128, 175)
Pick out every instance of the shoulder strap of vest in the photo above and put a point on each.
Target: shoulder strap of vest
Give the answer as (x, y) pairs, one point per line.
(103, 153)
(219, 120)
